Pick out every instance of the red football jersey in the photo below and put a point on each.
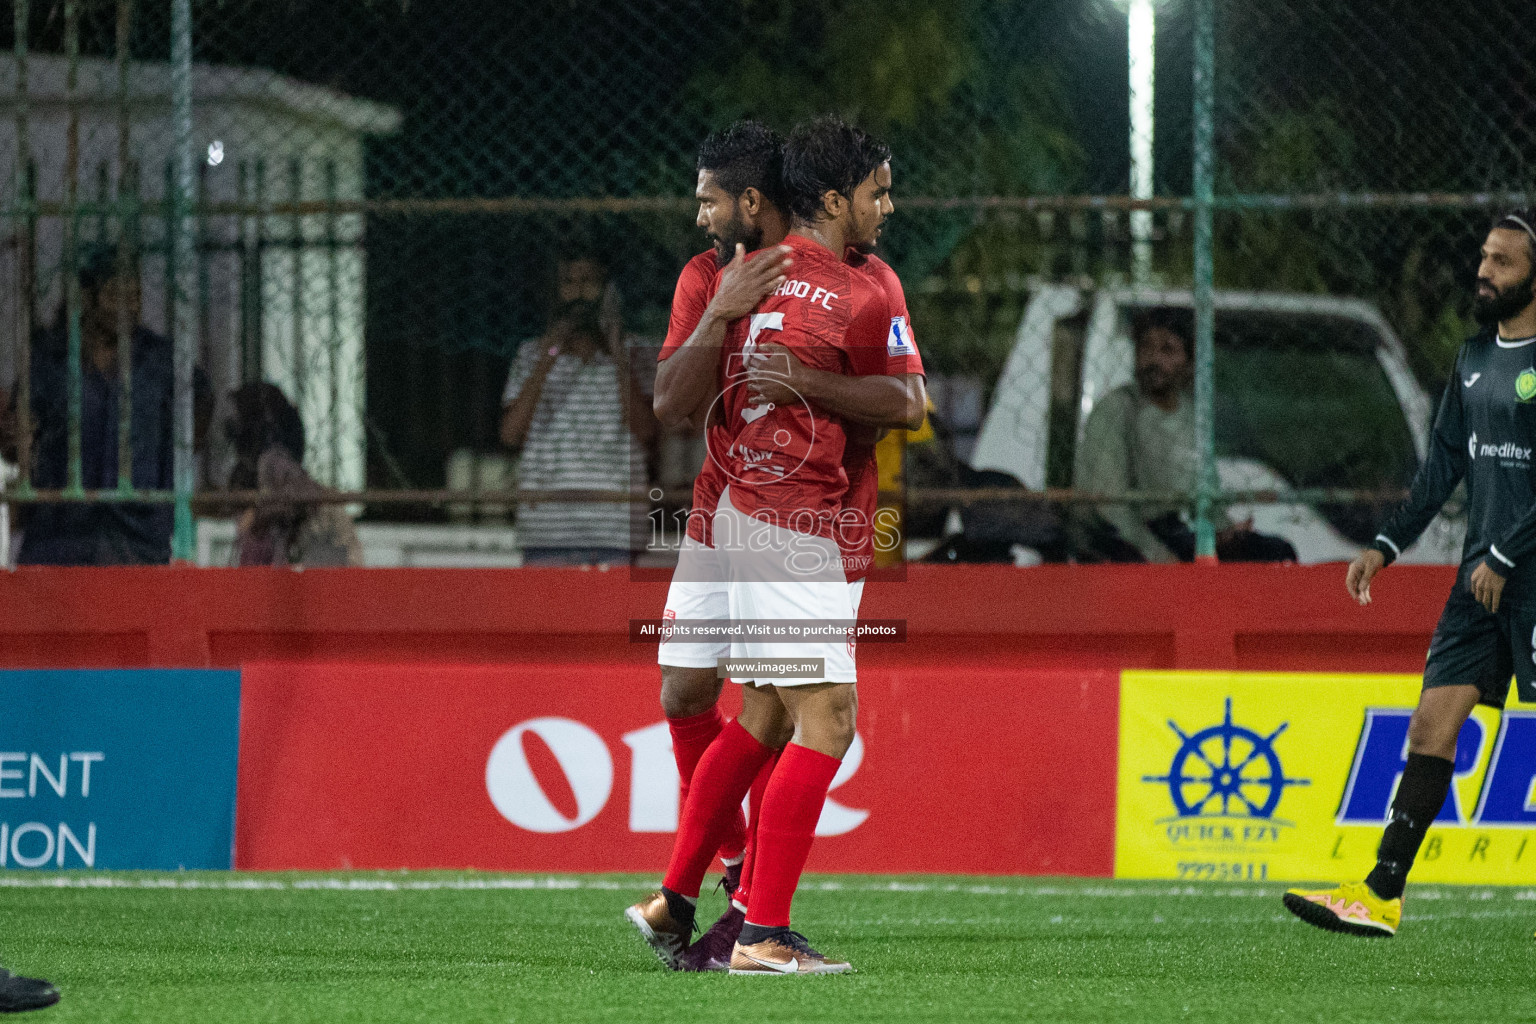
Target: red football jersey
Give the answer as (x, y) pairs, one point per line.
(696, 286)
(785, 463)
(856, 530)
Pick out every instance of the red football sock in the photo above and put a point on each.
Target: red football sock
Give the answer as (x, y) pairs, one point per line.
(791, 808)
(743, 893)
(721, 779)
(692, 736)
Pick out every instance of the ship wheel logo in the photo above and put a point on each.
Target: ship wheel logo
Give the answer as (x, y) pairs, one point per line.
(1226, 771)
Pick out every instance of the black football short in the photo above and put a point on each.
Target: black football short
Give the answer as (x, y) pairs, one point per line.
(1474, 647)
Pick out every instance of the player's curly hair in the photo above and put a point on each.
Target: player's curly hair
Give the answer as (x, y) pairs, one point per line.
(746, 155)
(827, 155)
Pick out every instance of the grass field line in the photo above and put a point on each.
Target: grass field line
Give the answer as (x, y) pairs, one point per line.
(1084, 890)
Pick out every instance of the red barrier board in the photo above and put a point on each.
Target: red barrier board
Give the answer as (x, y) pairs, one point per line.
(1251, 617)
(568, 767)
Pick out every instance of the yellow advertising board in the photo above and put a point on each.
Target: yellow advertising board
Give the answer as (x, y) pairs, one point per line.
(1229, 776)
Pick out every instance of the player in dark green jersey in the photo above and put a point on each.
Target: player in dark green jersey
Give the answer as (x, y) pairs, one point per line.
(1485, 434)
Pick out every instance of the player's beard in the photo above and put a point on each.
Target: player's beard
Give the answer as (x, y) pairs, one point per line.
(867, 247)
(1505, 303)
(732, 234)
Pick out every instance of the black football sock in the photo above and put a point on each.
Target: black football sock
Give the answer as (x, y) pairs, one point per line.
(681, 907)
(1426, 781)
(752, 934)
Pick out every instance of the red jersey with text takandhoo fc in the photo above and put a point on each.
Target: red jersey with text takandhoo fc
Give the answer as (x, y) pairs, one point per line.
(784, 463)
(855, 532)
(696, 286)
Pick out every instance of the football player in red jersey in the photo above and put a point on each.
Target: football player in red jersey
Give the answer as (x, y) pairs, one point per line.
(851, 399)
(741, 208)
(787, 484)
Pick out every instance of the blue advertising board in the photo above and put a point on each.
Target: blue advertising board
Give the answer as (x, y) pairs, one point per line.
(118, 769)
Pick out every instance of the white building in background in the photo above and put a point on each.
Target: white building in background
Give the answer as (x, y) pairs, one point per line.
(287, 290)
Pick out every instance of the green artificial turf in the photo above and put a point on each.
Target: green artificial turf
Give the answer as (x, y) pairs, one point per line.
(471, 947)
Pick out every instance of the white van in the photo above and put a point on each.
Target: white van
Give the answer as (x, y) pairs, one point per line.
(1311, 391)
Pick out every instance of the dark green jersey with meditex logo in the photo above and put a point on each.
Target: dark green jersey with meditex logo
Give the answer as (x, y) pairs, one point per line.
(1485, 433)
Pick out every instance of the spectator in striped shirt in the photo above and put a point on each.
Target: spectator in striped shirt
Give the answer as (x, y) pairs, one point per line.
(582, 423)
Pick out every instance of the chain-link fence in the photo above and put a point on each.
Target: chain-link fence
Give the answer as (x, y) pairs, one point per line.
(378, 193)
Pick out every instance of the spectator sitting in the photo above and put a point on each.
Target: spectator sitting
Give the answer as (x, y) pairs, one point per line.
(573, 408)
(1141, 437)
(104, 533)
(268, 437)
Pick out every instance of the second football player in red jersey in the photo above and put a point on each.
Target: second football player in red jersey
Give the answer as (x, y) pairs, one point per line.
(740, 207)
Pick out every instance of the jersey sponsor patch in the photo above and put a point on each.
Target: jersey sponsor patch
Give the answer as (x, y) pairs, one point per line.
(1525, 385)
(899, 341)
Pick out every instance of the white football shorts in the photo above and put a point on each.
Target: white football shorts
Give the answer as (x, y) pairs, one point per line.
(700, 590)
(773, 573)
